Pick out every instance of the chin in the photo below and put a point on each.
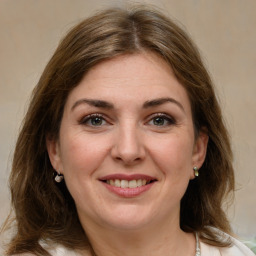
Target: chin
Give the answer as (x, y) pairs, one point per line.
(128, 218)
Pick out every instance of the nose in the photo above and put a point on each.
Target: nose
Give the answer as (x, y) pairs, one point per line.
(128, 146)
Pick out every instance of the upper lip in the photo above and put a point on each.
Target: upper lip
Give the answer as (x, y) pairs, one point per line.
(121, 176)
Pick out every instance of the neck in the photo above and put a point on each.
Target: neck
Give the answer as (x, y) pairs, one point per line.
(159, 240)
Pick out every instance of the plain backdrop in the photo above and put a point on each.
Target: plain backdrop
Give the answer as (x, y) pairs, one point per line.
(224, 31)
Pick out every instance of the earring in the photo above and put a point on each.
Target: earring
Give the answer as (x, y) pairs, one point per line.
(59, 177)
(196, 171)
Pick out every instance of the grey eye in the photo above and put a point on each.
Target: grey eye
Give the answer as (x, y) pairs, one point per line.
(159, 121)
(93, 120)
(96, 121)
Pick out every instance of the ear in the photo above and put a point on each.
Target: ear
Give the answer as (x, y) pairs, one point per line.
(54, 153)
(199, 150)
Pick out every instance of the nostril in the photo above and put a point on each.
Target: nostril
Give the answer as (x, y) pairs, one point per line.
(128, 160)
(128, 150)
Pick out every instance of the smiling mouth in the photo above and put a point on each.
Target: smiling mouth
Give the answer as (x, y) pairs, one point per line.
(128, 183)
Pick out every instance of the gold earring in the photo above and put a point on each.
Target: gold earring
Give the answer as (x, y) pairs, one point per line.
(196, 171)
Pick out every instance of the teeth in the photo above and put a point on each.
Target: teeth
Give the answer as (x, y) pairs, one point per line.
(124, 184)
(132, 184)
(117, 183)
(139, 183)
(127, 184)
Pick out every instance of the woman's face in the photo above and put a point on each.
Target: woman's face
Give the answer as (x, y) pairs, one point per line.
(126, 146)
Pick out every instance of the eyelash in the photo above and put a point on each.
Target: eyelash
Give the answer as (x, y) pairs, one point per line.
(166, 118)
(86, 119)
(169, 120)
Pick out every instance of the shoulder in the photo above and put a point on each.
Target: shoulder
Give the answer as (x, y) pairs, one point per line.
(60, 250)
(24, 254)
(57, 250)
(237, 248)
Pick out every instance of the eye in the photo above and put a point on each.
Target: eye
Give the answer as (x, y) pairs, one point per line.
(161, 119)
(93, 120)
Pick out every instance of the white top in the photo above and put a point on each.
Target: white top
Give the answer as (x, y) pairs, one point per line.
(237, 249)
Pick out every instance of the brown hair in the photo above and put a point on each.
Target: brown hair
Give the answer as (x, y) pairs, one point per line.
(44, 210)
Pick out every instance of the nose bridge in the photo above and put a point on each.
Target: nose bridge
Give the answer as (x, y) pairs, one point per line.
(129, 146)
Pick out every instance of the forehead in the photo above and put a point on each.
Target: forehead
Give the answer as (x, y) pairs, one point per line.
(142, 65)
(134, 77)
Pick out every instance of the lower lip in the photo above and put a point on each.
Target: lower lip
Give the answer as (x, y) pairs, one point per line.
(128, 192)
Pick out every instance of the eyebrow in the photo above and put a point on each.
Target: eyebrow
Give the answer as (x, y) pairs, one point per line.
(161, 101)
(95, 103)
(107, 105)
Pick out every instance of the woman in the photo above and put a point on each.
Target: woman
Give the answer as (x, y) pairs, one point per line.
(123, 150)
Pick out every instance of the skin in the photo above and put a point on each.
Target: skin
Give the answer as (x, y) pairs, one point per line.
(130, 138)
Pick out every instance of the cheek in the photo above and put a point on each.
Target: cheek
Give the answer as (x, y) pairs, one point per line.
(81, 154)
(173, 154)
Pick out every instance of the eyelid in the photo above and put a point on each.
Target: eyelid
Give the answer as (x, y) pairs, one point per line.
(170, 118)
(86, 118)
(167, 117)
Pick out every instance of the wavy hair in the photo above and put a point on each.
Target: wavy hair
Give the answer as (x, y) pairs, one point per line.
(44, 210)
